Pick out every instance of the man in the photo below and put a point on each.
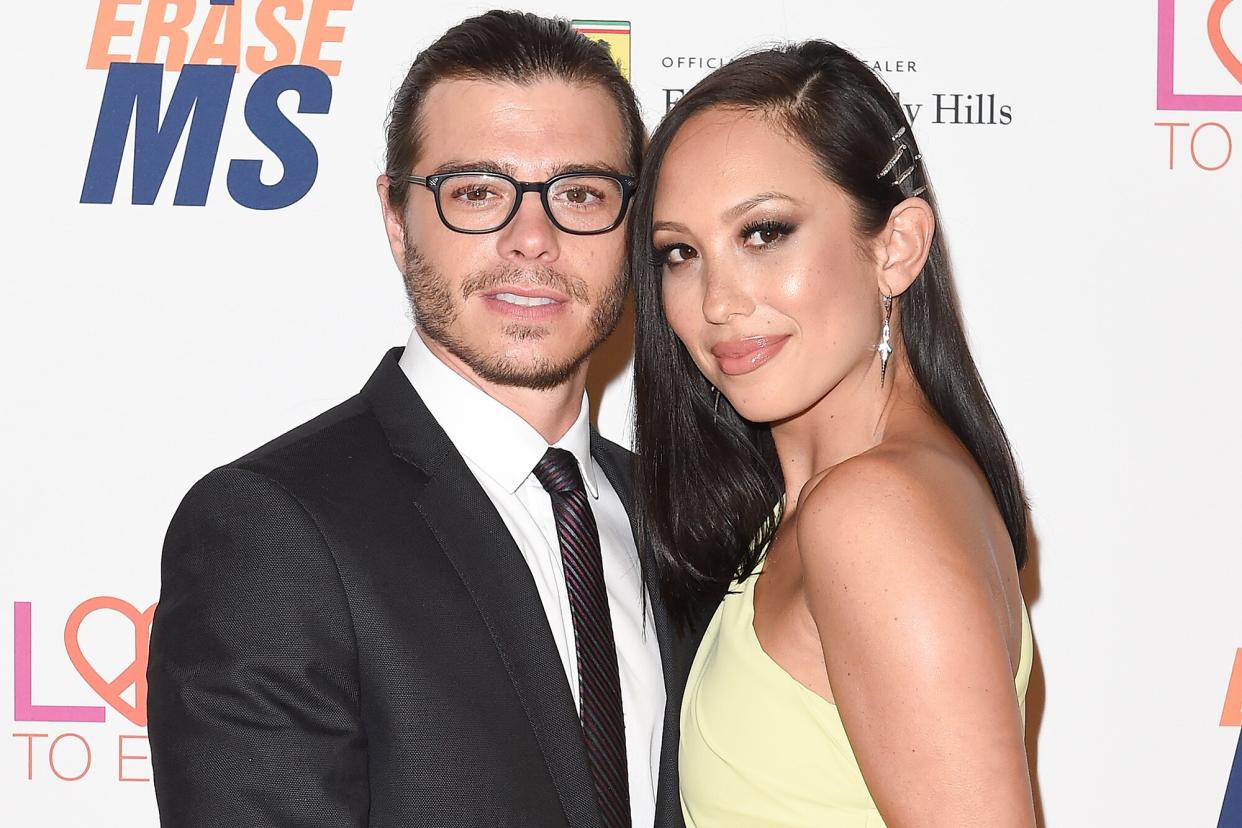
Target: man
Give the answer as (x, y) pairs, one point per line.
(426, 606)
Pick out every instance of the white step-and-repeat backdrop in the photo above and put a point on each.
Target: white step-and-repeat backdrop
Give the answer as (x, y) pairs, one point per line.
(193, 262)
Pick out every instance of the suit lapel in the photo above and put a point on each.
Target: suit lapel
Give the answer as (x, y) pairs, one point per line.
(491, 567)
(672, 646)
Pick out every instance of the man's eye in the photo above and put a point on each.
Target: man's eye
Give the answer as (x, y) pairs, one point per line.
(474, 193)
(580, 195)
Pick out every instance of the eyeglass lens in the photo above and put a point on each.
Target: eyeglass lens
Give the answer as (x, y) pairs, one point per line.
(478, 202)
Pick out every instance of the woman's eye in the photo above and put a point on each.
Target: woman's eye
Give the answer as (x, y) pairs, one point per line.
(679, 254)
(766, 233)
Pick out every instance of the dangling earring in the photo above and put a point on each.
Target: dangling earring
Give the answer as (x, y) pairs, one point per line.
(885, 348)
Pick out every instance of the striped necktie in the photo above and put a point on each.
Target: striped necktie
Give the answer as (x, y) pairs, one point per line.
(599, 682)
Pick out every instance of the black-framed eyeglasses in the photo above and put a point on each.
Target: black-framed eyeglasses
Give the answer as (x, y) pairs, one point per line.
(581, 203)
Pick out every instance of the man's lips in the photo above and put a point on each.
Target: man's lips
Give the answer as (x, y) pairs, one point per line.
(526, 292)
(741, 356)
(527, 303)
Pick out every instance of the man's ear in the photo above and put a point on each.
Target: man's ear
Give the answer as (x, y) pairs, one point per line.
(902, 247)
(394, 222)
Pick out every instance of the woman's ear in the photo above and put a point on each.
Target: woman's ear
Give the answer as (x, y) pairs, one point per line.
(903, 246)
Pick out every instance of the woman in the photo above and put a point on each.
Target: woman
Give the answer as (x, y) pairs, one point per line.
(812, 431)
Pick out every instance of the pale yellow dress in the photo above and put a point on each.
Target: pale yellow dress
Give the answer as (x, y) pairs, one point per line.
(760, 749)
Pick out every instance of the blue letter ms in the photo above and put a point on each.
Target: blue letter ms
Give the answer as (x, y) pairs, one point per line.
(200, 100)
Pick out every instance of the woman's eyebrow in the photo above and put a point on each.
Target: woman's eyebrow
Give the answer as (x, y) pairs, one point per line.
(669, 225)
(754, 201)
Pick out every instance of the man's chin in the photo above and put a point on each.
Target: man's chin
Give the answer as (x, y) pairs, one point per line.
(521, 360)
(519, 333)
(528, 373)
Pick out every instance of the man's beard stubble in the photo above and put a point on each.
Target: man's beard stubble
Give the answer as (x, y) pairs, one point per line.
(435, 313)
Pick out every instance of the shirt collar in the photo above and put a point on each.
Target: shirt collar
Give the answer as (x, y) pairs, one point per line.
(492, 437)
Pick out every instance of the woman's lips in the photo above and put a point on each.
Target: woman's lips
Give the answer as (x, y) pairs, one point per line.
(741, 356)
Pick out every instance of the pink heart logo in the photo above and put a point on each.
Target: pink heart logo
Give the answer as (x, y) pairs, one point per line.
(1217, 39)
(135, 675)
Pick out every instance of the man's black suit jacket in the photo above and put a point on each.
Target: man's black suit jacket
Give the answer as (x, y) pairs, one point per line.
(348, 635)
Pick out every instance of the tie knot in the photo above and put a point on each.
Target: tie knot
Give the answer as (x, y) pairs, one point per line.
(558, 472)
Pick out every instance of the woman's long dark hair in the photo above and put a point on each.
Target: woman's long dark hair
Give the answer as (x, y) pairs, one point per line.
(707, 478)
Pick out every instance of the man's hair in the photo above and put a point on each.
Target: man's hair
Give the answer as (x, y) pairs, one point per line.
(505, 46)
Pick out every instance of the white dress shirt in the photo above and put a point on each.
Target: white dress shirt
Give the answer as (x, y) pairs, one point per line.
(501, 450)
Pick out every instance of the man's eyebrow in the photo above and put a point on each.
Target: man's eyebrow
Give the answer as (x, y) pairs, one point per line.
(552, 170)
(473, 166)
(594, 168)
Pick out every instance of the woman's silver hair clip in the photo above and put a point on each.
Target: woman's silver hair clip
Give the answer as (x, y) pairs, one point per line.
(902, 148)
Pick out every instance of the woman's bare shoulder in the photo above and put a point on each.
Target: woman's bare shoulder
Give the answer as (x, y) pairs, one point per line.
(899, 571)
(913, 523)
(922, 488)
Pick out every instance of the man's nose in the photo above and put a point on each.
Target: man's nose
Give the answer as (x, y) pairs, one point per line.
(530, 236)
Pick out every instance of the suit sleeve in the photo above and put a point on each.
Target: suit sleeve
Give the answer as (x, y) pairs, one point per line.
(253, 681)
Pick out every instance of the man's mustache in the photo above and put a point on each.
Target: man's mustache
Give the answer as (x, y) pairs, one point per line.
(548, 277)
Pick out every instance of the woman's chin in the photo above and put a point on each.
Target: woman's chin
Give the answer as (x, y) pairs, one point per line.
(761, 411)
